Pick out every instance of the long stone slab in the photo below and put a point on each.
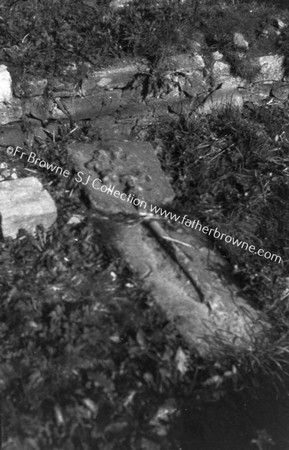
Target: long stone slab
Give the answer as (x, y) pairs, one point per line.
(209, 314)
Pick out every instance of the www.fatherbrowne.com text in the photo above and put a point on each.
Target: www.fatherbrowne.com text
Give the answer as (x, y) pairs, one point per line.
(184, 220)
(111, 190)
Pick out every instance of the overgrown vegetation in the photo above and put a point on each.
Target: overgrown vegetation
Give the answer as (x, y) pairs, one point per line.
(231, 171)
(49, 38)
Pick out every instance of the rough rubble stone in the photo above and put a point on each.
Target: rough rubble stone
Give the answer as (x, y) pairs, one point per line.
(221, 73)
(25, 204)
(30, 88)
(58, 88)
(271, 68)
(11, 134)
(279, 24)
(10, 112)
(281, 91)
(186, 62)
(240, 42)
(118, 4)
(257, 92)
(194, 84)
(5, 85)
(217, 56)
(37, 107)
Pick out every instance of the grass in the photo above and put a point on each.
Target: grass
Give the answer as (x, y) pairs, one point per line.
(228, 170)
(45, 38)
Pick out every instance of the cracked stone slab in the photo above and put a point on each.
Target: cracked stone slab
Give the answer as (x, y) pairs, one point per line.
(25, 204)
(129, 167)
(206, 321)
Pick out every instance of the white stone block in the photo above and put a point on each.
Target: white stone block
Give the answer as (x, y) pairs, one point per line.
(25, 204)
(5, 85)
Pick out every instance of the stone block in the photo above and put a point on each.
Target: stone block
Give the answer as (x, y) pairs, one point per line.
(11, 134)
(271, 68)
(10, 112)
(25, 204)
(30, 88)
(221, 73)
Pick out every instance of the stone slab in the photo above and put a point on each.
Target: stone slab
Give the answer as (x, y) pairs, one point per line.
(115, 77)
(89, 107)
(129, 167)
(222, 98)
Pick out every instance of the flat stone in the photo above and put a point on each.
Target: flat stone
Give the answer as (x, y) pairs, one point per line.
(5, 85)
(221, 73)
(116, 77)
(194, 84)
(30, 88)
(37, 107)
(240, 42)
(271, 68)
(118, 4)
(217, 56)
(11, 135)
(222, 98)
(279, 23)
(25, 204)
(10, 112)
(108, 128)
(132, 110)
(61, 89)
(281, 91)
(105, 103)
(186, 62)
(257, 92)
(182, 107)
